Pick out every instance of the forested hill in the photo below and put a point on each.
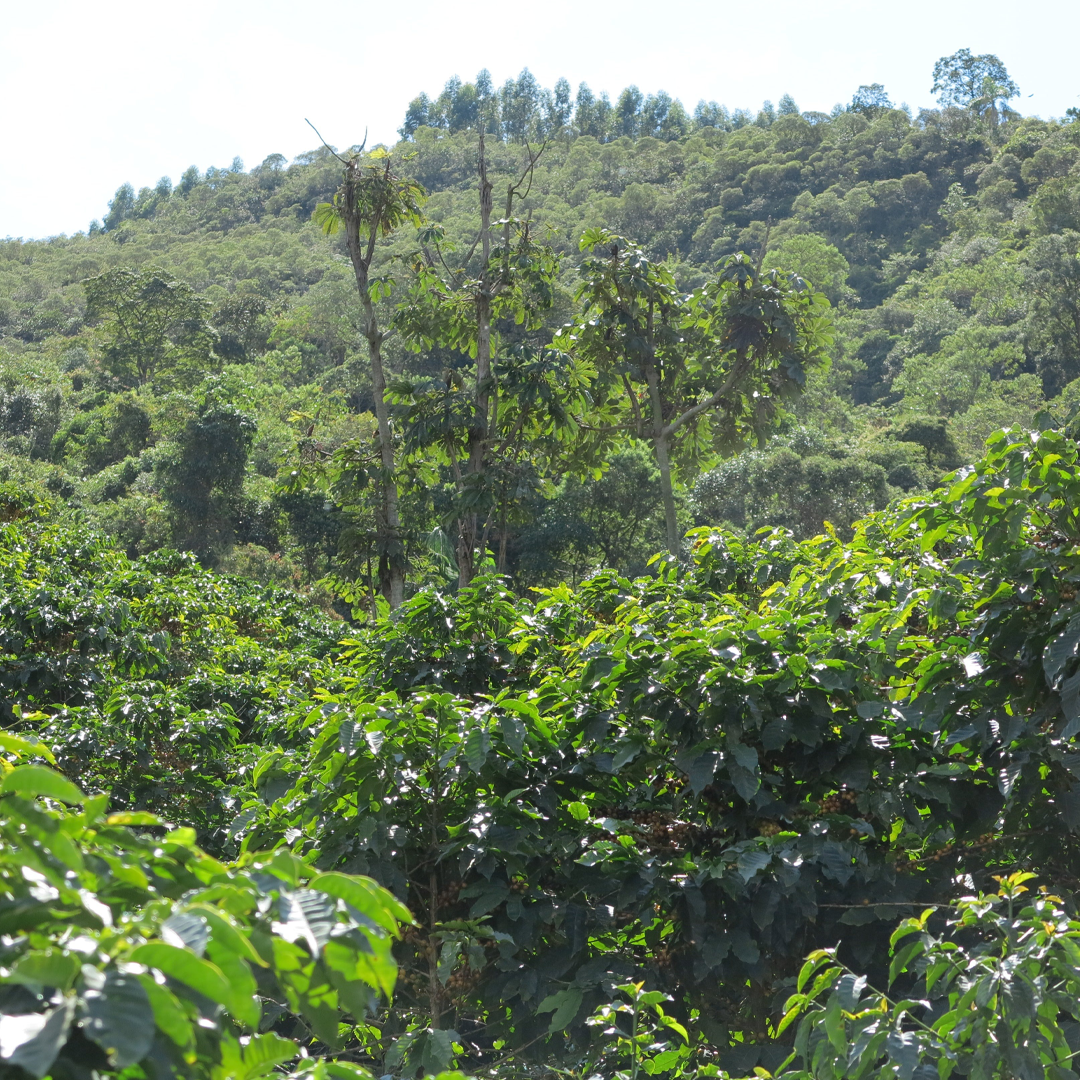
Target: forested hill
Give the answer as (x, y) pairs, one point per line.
(946, 242)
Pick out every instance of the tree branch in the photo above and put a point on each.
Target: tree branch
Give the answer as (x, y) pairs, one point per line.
(329, 147)
(709, 403)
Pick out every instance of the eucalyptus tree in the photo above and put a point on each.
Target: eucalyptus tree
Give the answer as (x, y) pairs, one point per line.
(698, 374)
(371, 203)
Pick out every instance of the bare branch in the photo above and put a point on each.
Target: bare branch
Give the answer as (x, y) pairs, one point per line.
(328, 146)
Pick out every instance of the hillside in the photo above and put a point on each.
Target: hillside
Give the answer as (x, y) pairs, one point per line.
(946, 243)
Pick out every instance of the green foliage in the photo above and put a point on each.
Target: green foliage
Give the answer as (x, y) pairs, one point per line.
(799, 482)
(818, 262)
(204, 475)
(697, 374)
(155, 325)
(152, 678)
(688, 780)
(126, 945)
(623, 809)
(637, 1029)
(695, 778)
(979, 83)
(945, 240)
(614, 521)
(996, 995)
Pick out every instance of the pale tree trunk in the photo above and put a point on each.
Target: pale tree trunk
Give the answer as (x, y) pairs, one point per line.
(468, 526)
(661, 439)
(388, 521)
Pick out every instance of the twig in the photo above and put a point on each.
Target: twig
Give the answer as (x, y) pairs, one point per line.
(329, 147)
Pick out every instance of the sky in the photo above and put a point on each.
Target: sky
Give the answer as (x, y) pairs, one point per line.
(96, 93)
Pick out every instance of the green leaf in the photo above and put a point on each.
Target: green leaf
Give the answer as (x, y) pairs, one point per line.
(346, 1070)
(792, 1014)
(701, 771)
(48, 968)
(813, 962)
(903, 1050)
(308, 988)
(33, 1040)
(578, 811)
(120, 1019)
(438, 1054)
(15, 744)
(169, 1014)
(751, 863)
(565, 1004)
(513, 733)
(903, 957)
(264, 1052)
(835, 1028)
(1060, 651)
(226, 934)
(186, 929)
(367, 897)
(477, 744)
(39, 780)
(134, 817)
(184, 966)
(243, 1002)
(308, 915)
(356, 959)
(1070, 705)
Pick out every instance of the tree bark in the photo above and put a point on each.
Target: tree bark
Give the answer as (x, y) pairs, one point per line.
(661, 441)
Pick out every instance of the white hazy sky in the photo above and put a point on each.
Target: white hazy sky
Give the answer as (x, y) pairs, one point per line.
(95, 93)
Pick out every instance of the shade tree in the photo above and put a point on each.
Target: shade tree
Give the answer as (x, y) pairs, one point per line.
(374, 200)
(155, 326)
(696, 374)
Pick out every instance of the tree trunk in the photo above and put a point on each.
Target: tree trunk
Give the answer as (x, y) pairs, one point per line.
(661, 443)
(388, 522)
(674, 540)
(468, 526)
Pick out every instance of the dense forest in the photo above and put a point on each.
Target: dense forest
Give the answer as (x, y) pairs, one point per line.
(589, 590)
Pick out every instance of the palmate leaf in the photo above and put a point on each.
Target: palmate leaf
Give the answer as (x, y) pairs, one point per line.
(328, 217)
